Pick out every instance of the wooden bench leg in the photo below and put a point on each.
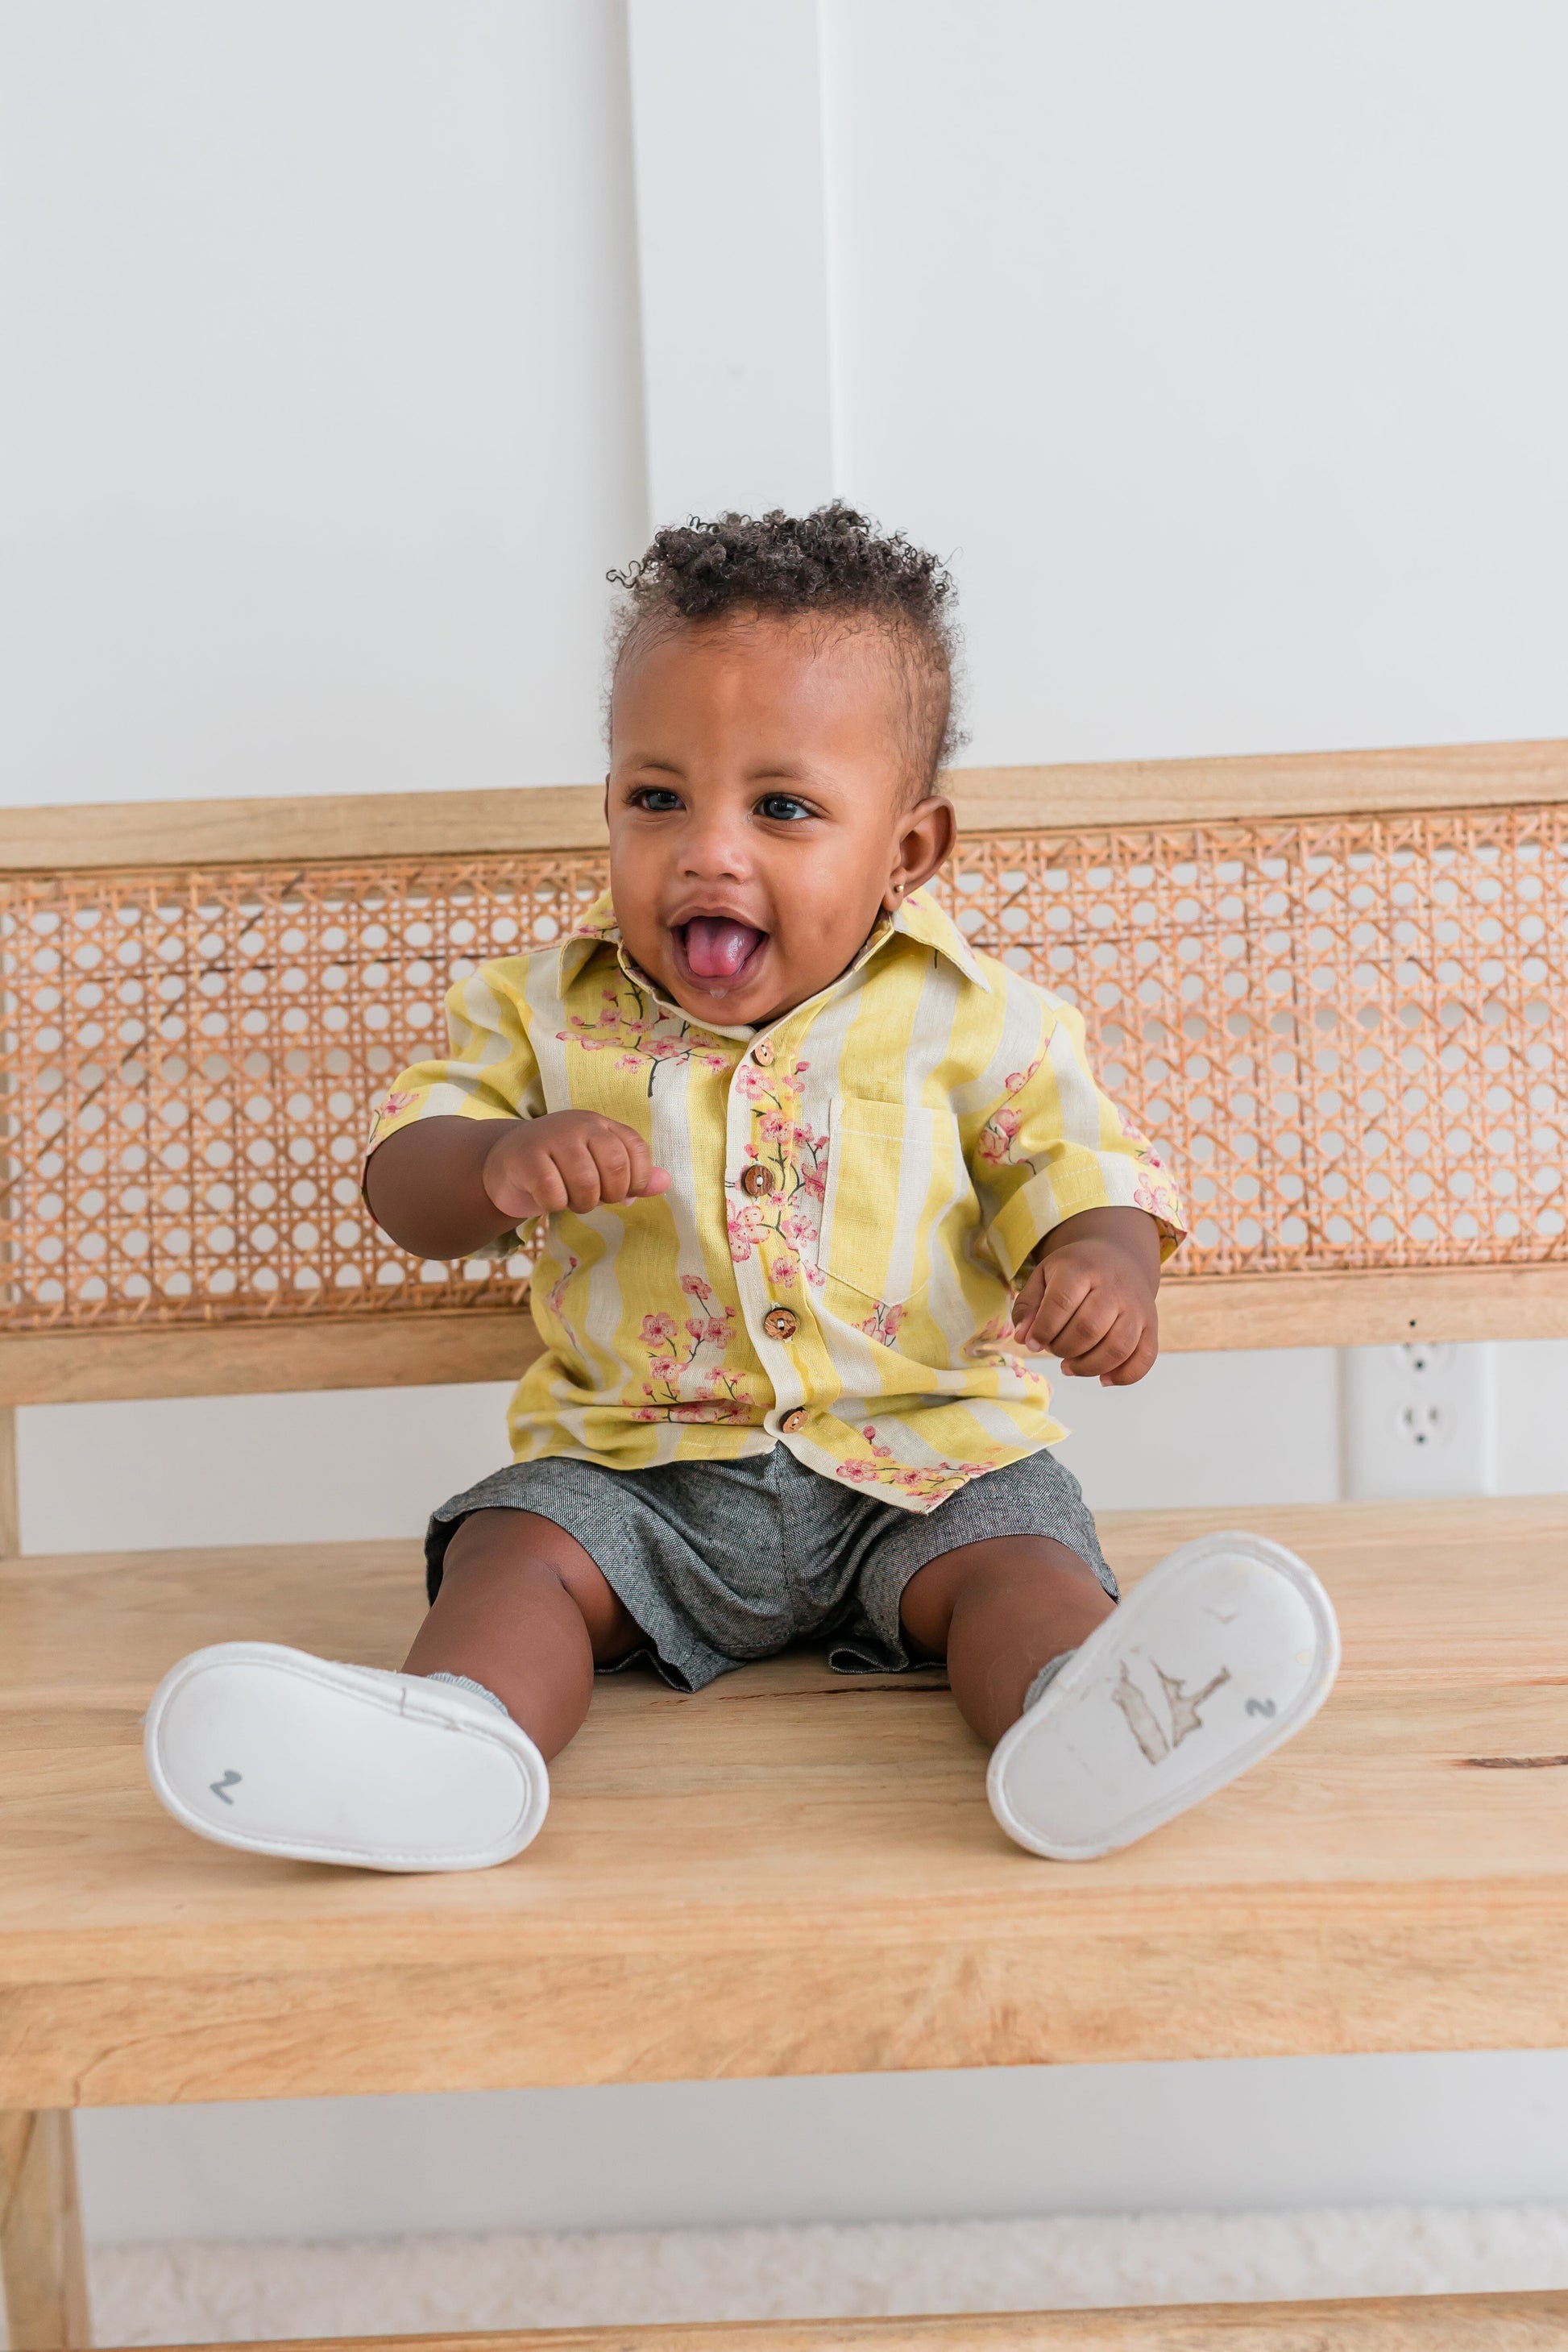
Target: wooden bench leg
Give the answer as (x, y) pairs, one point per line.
(42, 2261)
(10, 1523)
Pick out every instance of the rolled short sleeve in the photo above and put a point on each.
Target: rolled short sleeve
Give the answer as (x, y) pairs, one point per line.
(1056, 1146)
(489, 1070)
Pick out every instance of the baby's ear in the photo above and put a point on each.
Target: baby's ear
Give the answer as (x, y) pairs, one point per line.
(927, 833)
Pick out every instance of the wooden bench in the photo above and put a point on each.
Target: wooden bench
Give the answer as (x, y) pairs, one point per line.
(788, 1873)
(1457, 2323)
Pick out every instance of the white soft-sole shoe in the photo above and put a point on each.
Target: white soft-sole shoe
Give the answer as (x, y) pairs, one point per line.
(276, 1752)
(1221, 1655)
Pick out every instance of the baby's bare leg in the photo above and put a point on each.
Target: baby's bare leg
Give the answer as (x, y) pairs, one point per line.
(998, 1612)
(525, 1610)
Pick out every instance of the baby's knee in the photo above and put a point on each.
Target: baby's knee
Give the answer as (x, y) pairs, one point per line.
(1006, 1560)
(524, 1554)
(999, 1570)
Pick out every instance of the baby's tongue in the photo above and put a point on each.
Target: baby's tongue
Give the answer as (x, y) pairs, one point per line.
(717, 946)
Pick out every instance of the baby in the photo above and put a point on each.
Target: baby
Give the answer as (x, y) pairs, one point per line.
(806, 1179)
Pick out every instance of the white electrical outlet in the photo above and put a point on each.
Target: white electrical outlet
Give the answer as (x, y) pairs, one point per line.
(1417, 1420)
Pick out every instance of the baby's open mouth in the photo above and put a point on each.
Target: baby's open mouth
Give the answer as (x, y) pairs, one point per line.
(717, 946)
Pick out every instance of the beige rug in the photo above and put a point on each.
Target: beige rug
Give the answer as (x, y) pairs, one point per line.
(214, 2294)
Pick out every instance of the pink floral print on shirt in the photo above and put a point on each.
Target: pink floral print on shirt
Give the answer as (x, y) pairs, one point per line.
(995, 1343)
(782, 1226)
(391, 1105)
(933, 1485)
(999, 1132)
(399, 1099)
(638, 1033)
(555, 1296)
(1155, 1194)
(679, 1386)
(554, 1300)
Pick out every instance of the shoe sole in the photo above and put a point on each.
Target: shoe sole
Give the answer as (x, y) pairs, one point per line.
(1097, 1659)
(273, 1751)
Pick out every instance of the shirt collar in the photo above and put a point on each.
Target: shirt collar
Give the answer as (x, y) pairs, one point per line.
(922, 919)
(596, 928)
(918, 919)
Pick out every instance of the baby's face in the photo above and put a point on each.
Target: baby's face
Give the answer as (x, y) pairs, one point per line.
(759, 811)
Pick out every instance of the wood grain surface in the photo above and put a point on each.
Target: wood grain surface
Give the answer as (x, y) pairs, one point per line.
(1370, 1307)
(42, 2262)
(10, 1521)
(1448, 2323)
(414, 1350)
(1311, 783)
(794, 1872)
(291, 1353)
(281, 831)
(571, 816)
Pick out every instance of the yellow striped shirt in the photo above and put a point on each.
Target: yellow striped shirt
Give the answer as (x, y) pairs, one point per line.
(857, 1190)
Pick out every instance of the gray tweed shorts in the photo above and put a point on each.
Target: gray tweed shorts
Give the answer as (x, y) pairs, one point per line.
(722, 1562)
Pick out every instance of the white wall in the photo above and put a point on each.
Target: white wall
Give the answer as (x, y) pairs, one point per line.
(1222, 349)
(322, 391)
(1223, 346)
(1246, 2134)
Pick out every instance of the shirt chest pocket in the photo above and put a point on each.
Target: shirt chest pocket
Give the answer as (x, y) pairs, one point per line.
(879, 1167)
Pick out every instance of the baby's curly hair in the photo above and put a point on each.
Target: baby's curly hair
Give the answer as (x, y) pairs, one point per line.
(832, 566)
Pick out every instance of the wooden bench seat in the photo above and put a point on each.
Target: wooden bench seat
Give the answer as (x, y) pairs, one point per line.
(794, 1872)
(1449, 2323)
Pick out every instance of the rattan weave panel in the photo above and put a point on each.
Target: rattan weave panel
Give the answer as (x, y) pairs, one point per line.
(1344, 1034)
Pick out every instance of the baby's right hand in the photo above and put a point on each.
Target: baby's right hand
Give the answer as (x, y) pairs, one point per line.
(568, 1160)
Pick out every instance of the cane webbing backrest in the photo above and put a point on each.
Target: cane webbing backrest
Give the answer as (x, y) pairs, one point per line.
(1343, 1032)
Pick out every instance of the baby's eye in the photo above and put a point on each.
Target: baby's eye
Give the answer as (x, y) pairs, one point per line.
(781, 806)
(657, 799)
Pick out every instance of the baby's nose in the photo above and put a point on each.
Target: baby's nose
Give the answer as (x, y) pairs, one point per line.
(715, 848)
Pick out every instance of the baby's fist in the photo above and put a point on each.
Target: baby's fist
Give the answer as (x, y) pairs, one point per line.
(1091, 1302)
(569, 1159)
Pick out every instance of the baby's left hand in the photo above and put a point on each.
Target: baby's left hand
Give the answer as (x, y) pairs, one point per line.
(1091, 1302)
